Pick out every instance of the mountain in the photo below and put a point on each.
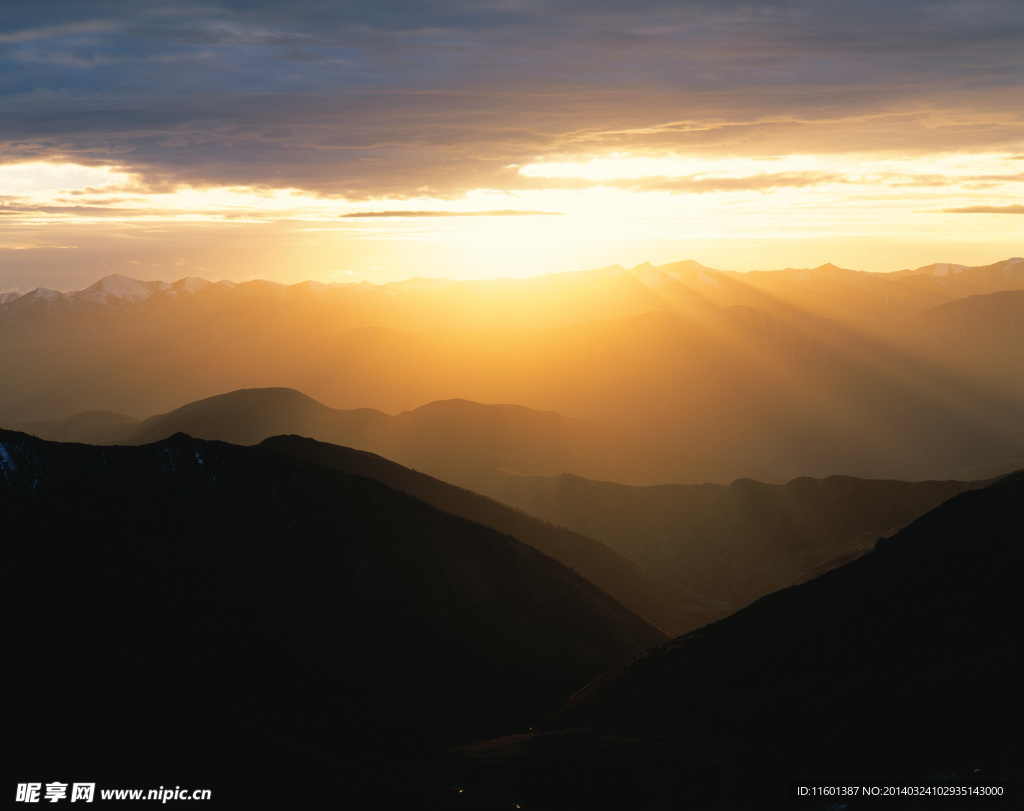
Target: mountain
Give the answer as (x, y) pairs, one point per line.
(447, 439)
(609, 292)
(222, 611)
(714, 548)
(729, 543)
(898, 669)
(121, 288)
(96, 427)
(456, 440)
(988, 320)
(643, 591)
(248, 416)
(706, 375)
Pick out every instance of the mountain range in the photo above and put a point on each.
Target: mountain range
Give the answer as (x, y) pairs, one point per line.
(896, 670)
(222, 611)
(448, 439)
(679, 555)
(658, 537)
(730, 543)
(709, 375)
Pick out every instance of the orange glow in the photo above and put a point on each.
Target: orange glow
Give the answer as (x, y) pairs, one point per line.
(869, 212)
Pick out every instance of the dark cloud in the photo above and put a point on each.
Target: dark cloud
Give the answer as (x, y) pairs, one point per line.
(690, 184)
(503, 213)
(108, 209)
(407, 97)
(1015, 209)
(762, 182)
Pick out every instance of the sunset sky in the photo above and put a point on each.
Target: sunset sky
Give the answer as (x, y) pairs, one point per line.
(349, 141)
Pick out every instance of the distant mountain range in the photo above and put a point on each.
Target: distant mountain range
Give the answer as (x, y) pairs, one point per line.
(565, 298)
(702, 375)
(730, 543)
(449, 439)
(643, 591)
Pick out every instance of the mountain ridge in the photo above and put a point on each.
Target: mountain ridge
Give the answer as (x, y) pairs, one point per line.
(730, 543)
(710, 376)
(641, 590)
(119, 286)
(320, 620)
(801, 687)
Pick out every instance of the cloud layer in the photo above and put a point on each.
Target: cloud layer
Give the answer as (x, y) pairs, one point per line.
(411, 98)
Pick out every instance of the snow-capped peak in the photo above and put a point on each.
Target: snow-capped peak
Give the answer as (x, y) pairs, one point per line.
(45, 294)
(190, 284)
(119, 287)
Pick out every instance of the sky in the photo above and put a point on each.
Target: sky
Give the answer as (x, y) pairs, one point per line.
(349, 141)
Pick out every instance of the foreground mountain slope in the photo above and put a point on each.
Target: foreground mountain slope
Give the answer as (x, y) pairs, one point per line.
(733, 543)
(896, 669)
(226, 607)
(642, 591)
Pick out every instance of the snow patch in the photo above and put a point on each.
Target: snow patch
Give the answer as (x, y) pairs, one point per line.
(45, 294)
(117, 287)
(192, 284)
(6, 461)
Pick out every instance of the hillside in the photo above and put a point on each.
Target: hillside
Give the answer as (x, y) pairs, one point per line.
(895, 670)
(732, 543)
(644, 591)
(227, 610)
(447, 439)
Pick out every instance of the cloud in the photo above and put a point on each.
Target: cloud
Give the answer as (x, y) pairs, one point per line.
(1013, 209)
(16, 209)
(503, 213)
(367, 100)
(762, 182)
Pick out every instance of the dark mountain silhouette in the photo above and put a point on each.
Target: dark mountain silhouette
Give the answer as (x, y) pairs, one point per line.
(207, 610)
(731, 543)
(642, 591)
(96, 427)
(897, 669)
(446, 439)
(248, 416)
